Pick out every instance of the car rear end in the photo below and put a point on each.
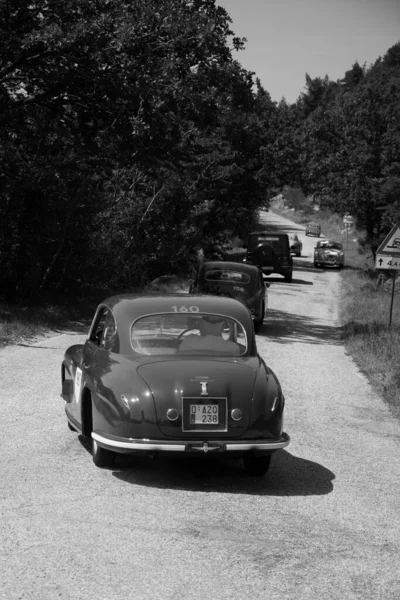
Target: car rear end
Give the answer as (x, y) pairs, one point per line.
(271, 253)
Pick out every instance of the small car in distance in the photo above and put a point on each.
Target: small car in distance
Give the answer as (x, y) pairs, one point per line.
(313, 229)
(328, 253)
(235, 280)
(176, 375)
(270, 252)
(296, 246)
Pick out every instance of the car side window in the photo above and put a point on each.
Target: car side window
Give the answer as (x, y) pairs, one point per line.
(104, 332)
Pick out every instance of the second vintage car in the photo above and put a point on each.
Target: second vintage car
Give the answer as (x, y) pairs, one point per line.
(175, 375)
(313, 229)
(234, 280)
(328, 254)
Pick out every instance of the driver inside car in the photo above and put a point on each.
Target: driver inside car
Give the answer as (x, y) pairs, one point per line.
(209, 334)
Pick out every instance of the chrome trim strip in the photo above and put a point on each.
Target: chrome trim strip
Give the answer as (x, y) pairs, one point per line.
(181, 446)
(258, 446)
(135, 445)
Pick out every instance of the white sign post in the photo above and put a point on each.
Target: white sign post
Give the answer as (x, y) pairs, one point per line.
(388, 257)
(348, 223)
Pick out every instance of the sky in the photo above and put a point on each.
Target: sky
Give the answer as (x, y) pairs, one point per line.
(288, 38)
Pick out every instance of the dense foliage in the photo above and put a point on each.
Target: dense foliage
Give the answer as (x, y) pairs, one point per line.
(131, 140)
(349, 135)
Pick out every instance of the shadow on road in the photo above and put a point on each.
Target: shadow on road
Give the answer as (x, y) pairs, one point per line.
(285, 328)
(288, 475)
(293, 282)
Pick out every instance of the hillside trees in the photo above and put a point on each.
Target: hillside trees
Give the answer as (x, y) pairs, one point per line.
(351, 145)
(129, 139)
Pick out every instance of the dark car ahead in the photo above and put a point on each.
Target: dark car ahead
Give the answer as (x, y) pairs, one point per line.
(177, 375)
(235, 280)
(270, 252)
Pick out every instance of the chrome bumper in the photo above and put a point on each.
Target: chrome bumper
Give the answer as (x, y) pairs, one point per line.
(194, 446)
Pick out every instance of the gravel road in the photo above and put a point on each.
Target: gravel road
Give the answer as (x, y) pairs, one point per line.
(323, 524)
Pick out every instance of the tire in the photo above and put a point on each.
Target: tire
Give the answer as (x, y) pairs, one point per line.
(289, 277)
(257, 465)
(259, 323)
(101, 457)
(263, 255)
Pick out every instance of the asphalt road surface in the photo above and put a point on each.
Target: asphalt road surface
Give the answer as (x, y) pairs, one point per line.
(323, 524)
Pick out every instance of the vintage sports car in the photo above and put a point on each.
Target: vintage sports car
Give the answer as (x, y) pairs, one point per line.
(270, 252)
(174, 374)
(234, 280)
(296, 246)
(328, 254)
(313, 229)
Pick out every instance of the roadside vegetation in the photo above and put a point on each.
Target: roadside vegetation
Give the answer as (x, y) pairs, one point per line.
(365, 302)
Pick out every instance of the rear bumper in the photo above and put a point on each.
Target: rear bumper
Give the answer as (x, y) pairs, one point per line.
(236, 447)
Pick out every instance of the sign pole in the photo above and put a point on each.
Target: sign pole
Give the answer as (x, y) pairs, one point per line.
(392, 299)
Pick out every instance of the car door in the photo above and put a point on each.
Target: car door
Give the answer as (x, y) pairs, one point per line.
(95, 356)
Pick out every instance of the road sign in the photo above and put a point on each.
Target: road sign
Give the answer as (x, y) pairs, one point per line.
(348, 219)
(391, 244)
(383, 261)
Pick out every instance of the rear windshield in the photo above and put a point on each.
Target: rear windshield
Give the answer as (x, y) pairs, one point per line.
(226, 276)
(332, 246)
(188, 334)
(279, 243)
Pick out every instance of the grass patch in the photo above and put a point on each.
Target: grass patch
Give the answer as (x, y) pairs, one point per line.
(365, 319)
(26, 322)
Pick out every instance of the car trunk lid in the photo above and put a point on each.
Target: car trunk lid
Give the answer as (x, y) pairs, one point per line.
(220, 382)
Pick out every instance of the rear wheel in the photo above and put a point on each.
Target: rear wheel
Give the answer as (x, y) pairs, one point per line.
(259, 322)
(257, 465)
(289, 277)
(101, 456)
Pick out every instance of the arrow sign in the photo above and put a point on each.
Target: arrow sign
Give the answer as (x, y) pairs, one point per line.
(383, 261)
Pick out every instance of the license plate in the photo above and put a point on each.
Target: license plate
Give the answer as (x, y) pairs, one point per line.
(203, 414)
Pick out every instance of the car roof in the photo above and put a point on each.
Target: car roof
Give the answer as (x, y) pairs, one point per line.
(133, 306)
(230, 265)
